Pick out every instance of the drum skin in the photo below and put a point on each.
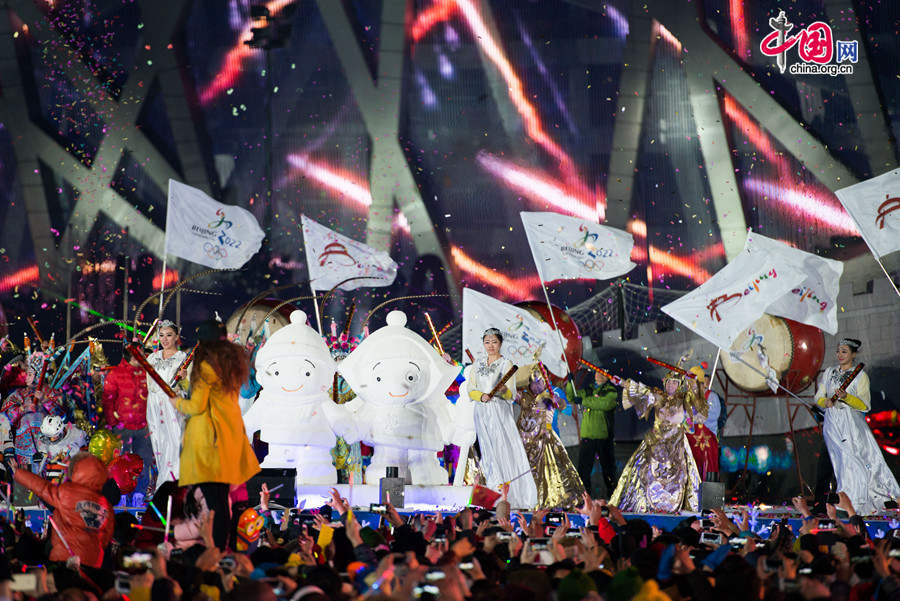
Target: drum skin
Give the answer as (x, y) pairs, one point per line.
(567, 328)
(794, 350)
(253, 317)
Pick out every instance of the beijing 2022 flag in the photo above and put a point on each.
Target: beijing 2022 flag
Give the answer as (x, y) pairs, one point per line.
(205, 231)
(567, 248)
(874, 205)
(814, 300)
(332, 258)
(735, 297)
(523, 334)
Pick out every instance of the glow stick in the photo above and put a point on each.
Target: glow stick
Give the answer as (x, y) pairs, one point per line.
(158, 514)
(168, 517)
(60, 535)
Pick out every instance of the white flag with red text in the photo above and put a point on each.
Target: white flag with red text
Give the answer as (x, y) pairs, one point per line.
(570, 248)
(814, 300)
(874, 205)
(735, 297)
(333, 258)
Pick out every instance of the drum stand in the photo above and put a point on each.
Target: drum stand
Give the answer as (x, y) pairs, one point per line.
(736, 398)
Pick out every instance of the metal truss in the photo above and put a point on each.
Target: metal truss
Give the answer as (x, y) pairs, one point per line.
(709, 67)
(390, 176)
(155, 59)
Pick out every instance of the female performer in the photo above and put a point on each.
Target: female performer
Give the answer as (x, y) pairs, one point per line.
(557, 481)
(661, 476)
(503, 457)
(164, 423)
(858, 463)
(216, 452)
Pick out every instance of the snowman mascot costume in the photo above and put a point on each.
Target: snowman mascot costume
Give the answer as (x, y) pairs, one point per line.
(294, 410)
(400, 409)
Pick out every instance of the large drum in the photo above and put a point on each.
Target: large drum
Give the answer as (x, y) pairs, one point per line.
(794, 350)
(567, 328)
(253, 319)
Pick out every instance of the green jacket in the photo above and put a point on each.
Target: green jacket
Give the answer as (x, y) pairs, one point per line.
(595, 402)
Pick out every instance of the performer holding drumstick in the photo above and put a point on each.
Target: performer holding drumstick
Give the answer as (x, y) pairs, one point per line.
(503, 457)
(843, 391)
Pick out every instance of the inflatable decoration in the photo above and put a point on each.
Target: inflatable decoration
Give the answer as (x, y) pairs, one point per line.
(400, 409)
(125, 470)
(294, 412)
(103, 445)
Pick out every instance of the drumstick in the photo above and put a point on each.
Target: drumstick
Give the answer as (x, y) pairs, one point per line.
(613, 379)
(509, 373)
(546, 376)
(145, 365)
(846, 383)
(677, 370)
(469, 355)
(185, 363)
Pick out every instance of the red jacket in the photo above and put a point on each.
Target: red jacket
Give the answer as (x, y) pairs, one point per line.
(125, 397)
(81, 513)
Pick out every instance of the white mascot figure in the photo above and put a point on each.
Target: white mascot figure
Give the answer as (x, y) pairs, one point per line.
(294, 409)
(400, 409)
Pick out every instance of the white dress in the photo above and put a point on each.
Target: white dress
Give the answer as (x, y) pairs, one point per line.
(503, 454)
(166, 425)
(859, 466)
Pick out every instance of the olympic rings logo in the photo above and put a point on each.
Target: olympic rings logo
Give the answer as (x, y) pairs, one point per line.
(214, 251)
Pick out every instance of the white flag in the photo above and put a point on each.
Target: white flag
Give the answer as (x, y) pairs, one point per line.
(205, 231)
(735, 297)
(568, 248)
(814, 300)
(875, 207)
(333, 258)
(523, 333)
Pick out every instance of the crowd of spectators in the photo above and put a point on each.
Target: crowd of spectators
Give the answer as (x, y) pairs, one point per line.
(328, 554)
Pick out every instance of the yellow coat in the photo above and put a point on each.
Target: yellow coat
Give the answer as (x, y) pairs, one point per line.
(215, 447)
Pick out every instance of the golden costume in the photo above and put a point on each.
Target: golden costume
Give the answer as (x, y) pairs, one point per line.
(662, 475)
(557, 480)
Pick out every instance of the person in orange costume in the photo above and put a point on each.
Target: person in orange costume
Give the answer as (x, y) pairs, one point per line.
(81, 514)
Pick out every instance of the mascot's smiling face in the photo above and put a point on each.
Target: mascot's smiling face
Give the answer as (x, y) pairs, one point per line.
(294, 375)
(396, 380)
(295, 362)
(396, 366)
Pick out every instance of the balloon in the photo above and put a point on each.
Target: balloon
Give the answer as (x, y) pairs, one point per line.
(125, 470)
(103, 445)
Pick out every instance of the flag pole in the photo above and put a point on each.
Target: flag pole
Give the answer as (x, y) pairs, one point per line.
(715, 365)
(553, 319)
(162, 283)
(316, 307)
(872, 250)
(886, 274)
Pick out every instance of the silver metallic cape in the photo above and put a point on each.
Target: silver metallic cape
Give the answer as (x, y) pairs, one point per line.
(859, 466)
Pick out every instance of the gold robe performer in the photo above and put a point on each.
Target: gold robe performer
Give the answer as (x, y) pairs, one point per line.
(557, 480)
(661, 476)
